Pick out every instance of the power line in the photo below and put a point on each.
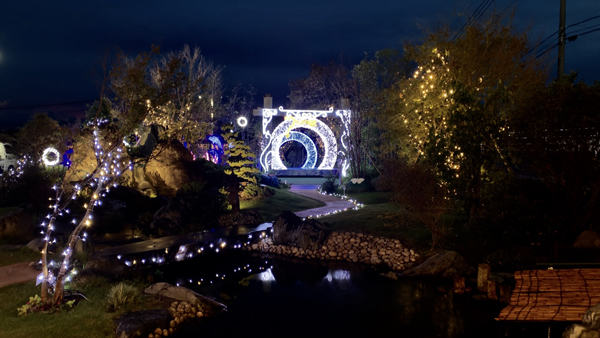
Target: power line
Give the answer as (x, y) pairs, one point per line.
(570, 38)
(484, 10)
(459, 33)
(553, 34)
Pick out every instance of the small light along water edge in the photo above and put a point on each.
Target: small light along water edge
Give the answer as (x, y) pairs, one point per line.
(281, 297)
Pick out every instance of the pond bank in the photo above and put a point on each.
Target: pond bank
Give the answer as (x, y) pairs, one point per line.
(348, 246)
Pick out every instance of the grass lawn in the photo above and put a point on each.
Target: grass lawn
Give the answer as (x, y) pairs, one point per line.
(88, 319)
(378, 217)
(11, 255)
(269, 208)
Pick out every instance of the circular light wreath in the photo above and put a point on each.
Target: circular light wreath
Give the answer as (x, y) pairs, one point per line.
(320, 128)
(308, 144)
(242, 121)
(47, 160)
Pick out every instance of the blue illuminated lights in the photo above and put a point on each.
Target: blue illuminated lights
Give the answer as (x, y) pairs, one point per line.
(307, 143)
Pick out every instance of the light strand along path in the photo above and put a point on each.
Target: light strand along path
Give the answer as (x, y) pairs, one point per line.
(332, 203)
(22, 272)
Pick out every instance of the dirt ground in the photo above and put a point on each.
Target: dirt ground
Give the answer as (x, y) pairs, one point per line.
(17, 273)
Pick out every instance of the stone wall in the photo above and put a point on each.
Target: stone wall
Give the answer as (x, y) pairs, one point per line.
(348, 246)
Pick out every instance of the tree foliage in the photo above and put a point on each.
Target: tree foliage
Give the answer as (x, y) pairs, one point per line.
(457, 108)
(194, 102)
(240, 162)
(40, 133)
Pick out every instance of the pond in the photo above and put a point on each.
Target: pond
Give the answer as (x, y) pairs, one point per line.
(271, 297)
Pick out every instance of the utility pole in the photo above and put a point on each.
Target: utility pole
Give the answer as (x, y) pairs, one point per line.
(561, 38)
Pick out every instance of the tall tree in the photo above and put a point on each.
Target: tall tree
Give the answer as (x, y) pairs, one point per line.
(325, 87)
(457, 108)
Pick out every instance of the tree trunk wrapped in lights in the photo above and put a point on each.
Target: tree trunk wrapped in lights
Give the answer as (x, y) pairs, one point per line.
(136, 96)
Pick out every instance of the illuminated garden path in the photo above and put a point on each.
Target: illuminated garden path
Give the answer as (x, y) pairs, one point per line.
(333, 204)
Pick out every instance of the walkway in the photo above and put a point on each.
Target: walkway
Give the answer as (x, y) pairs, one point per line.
(332, 204)
(17, 273)
(552, 295)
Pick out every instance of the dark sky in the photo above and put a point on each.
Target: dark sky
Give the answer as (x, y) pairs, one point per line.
(48, 49)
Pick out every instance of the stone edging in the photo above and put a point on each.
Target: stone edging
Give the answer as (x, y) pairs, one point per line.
(348, 246)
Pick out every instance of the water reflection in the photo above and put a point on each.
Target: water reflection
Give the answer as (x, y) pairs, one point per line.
(304, 299)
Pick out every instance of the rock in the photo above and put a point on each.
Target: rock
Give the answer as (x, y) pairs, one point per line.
(580, 331)
(36, 244)
(443, 263)
(137, 179)
(181, 293)
(104, 265)
(17, 224)
(141, 323)
(591, 318)
(289, 229)
(589, 327)
(390, 275)
(166, 169)
(83, 159)
(588, 239)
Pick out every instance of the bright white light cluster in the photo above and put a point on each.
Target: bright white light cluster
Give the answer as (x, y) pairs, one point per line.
(307, 119)
(345, 115)
(50, 157)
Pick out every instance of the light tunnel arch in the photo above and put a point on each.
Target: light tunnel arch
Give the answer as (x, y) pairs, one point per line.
(320, 128)
(307, 143)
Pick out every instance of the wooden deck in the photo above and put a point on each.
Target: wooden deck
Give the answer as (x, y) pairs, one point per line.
(552, 295)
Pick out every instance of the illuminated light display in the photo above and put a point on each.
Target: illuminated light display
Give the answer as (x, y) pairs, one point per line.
(307, 143)
(307, 119)
(242, 121)
(50, 157)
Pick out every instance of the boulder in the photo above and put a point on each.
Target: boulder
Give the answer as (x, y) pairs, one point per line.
(580, 331)
(36, 244)
(141, 323)
(588, 239)
(443, 263)
(291, 230)
(17, 224)
(83, 159)
(181, 293)
(166, 169)
(591, 318)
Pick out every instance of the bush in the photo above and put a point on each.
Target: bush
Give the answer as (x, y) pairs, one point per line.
(122, 295)
(329, 186)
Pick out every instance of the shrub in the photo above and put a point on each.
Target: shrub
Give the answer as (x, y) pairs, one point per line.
(330, 185)
(122, 295)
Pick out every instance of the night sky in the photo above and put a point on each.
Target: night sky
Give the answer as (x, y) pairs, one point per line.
(49, 50)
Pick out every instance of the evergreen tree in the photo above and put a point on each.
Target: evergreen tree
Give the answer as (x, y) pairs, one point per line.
(240, 163)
